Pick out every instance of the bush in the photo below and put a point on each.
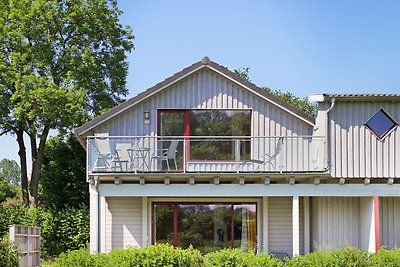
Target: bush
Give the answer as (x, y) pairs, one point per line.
(63, 230)
(238, 258)
(341, 258)
(8, 253)
(389, 258)
(159, 255)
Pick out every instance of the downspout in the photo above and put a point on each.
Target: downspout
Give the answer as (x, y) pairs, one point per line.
(327, 159)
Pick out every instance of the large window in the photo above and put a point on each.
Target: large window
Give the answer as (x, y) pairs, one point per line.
(220, 123)
(211, 133)
(205, 226)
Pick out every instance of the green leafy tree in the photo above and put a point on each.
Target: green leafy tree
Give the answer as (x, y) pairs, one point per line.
(11, 171)
(6, 190)
(63, 183)
(61, 62)
(301, 103)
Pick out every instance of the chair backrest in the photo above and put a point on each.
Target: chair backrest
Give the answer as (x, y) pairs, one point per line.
(103, 143)
(122, 151)
(172, 149)
(278, 147)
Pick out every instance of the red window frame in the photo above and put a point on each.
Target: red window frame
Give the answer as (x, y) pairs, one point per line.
(175, 223)
(186, 126)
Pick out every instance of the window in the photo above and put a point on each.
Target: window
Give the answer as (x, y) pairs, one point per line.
(381, 124)
(219, 123)
(206, 226)
(198, 124)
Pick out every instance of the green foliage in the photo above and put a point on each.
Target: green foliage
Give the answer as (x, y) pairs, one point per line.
(166, 255)
(61, 62)
(300, 103)
(347, 257)
(11, 171)
(243, 73)
(6, 190)
(63, 230)
(160, 255)
(238, 258)
(386, 258)
(8, 254)
(64, 170)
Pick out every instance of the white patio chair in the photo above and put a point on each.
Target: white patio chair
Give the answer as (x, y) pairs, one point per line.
(121, 156)
(271, 159)
(103, 158)
(167, 154)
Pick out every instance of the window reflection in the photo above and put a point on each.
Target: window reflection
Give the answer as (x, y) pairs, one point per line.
(219, 123)
(207, 227)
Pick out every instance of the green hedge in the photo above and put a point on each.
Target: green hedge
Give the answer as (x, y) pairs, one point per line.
(63, 230)
(238, 258)
(8, 253)
(166, 255)
(160, 255)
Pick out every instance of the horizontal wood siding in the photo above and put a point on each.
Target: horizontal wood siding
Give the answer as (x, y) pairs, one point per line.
(123, 225)
(354, 151)
(206, 89)
(390, 222)
(335, 222)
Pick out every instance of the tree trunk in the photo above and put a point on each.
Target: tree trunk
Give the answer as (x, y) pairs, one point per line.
(24, 169)
(37, 166)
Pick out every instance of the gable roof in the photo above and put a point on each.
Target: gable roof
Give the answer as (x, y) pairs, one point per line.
(204, 63)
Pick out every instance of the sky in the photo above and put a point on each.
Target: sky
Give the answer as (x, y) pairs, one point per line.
(304, 47)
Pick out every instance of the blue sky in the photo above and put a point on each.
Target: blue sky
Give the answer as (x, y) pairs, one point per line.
(301, 46)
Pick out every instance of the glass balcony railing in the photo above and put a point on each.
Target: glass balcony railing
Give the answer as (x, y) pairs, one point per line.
(201, 154)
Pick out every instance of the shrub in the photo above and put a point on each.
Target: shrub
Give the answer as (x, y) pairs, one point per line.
(159, 255)
(238, 258)
(78, 258)
(63, 230)
(346, 257)
(8, 254)
(389, 258)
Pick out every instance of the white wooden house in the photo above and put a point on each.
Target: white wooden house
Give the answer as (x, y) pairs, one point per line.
(208, 159)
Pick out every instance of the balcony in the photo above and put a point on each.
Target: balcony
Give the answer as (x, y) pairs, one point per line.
(201, 154)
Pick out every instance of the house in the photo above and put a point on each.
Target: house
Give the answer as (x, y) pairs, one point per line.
(208, 159)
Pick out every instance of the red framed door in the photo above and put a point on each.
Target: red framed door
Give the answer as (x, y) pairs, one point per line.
(175, 123)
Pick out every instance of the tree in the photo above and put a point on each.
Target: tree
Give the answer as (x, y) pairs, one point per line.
(64, 171)
(11, 171)
(301, 103)
(6, 190)
(61, 62)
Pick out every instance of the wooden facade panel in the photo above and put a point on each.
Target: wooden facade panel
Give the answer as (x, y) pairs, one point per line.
(390, 222)
(280, 230)
(206, 89)
(335, 222)
(354, 151)
(123, 222)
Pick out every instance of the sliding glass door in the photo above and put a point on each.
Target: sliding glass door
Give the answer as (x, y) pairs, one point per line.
(206, 226)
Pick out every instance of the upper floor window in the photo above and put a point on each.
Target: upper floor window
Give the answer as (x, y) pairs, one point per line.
(381, 124)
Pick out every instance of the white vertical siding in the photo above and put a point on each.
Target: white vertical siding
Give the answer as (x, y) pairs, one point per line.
(123, 222)
(280, 228)
(335, 222)
(206, 89)
(390, 222)
(354, 150)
